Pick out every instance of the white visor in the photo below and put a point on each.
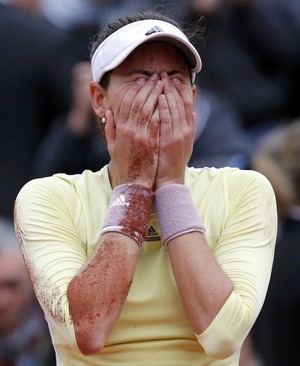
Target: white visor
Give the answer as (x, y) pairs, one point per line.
(115, 48)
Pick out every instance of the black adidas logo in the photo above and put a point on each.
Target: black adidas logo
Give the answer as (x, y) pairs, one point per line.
(152, 234)
(153, 30)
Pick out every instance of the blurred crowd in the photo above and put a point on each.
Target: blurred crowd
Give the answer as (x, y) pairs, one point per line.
(248, 116)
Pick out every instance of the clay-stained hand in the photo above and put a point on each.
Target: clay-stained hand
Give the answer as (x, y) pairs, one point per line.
(132, 133)
(177, 130)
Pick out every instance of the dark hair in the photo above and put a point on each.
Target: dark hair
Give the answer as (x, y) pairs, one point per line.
(114, 25)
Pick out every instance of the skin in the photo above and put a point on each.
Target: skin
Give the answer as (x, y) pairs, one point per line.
(144, 91)
(149, 109)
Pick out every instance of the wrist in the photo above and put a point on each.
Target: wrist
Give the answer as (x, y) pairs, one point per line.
(129, 211)
(160, 183)
(117, 179)
(176, 212)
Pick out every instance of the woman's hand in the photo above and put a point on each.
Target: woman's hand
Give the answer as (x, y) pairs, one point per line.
(177, 130)
(132, 133)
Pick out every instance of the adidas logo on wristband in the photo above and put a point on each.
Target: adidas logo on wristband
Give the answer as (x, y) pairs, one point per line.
(152, 234)
(120, 201)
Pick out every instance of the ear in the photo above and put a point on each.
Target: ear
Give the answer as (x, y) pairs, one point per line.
(98, 98)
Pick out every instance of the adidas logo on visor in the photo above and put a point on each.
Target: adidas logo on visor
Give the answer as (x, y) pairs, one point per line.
(120, 201)
(153, 30)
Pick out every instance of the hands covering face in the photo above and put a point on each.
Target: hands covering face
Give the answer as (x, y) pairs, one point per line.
(150, 137)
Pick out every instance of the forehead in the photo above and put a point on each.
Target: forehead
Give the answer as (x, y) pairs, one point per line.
(155, 57)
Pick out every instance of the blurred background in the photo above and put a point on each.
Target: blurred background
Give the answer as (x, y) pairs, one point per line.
(248, 116)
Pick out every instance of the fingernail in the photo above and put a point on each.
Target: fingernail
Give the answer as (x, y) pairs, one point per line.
(176, 81)
(158, 84)
(153, 76)
(140, 81)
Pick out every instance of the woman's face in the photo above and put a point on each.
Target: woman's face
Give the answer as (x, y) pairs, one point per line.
(147, 59)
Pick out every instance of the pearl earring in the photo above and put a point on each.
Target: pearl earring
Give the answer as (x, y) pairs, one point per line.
(103, 119)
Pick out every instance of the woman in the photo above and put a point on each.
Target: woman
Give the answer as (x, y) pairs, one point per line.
(148, 262)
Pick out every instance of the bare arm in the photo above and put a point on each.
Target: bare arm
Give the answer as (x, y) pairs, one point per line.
(98, 292)
(203, 285)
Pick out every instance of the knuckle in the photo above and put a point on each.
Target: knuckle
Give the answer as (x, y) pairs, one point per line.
(145, 115)
(135, 109)
(125, 131)
(155, 119)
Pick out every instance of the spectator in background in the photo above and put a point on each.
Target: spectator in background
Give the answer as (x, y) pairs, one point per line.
(276, 333)
(35, 69)
(74, 142)
(220, 139)
(82, 18)
(69, 14)
(29, 6)
(24, 336)
(252, 57)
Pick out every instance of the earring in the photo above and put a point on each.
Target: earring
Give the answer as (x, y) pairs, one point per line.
(103, 119)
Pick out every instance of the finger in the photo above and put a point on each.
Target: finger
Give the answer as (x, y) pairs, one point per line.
(146, 101)
(173, 99)
(134, 100)
(123, 113)
(165, 117)
(149, 113)
(186, 96)
(110, 129)
(153, 131)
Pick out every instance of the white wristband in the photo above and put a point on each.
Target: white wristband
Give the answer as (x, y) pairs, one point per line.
(129, 211)
(176, 212)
